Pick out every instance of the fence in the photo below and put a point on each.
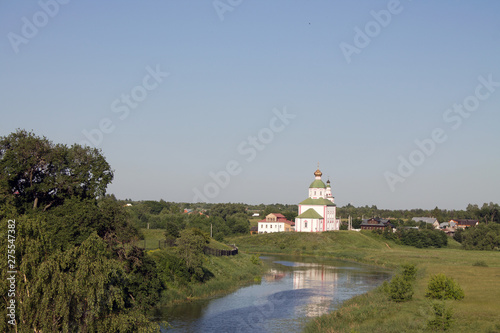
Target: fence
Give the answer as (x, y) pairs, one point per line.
(220, 253)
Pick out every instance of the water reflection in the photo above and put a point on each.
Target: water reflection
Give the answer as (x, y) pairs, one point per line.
(293, 290)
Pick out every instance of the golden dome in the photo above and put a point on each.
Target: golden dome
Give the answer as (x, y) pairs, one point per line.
(318, 173)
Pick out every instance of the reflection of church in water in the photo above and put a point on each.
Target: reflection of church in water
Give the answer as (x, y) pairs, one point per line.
(310, 278)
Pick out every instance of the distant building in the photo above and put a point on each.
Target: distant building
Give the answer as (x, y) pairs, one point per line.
(448, 228)
(254, 230)
(448, 225)
(465, 223)
(255, 214)
(375, 223)
(275, 223)
(318, 212)
(429, 220)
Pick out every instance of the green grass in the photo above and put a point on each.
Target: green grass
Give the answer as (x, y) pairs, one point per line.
(151, 238)
(254, 220)
(218, 245)
(372, 312)
(230, 273)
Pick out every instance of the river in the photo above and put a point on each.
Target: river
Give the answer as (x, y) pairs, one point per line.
(294, 290)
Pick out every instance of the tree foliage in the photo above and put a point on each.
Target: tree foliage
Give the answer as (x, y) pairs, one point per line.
(72, 271)
(442, 318)
(190, 246)
(482, 237)
(415, 237)
(400, 289)
(443, 288)
(39, 173)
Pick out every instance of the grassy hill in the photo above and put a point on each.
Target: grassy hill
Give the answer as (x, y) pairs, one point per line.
(477, 272)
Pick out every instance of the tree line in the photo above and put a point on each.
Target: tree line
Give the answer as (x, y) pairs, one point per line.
(487, 213)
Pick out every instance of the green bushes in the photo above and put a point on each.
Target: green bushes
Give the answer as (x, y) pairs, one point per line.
(442, 287)
(482, 237)
(480, 263)
(442, 319)
(413, 237)
(400, 289)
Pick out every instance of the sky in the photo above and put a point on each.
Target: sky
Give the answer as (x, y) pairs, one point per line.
(238, 101)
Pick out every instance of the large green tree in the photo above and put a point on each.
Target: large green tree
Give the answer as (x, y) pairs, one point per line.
(73, 275)
(39, 173)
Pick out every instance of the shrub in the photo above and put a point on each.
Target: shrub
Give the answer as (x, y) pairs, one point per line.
(480, 263)
(442, 317)
(255, 259)
(442, 287)
(409, 272)
(400, 289)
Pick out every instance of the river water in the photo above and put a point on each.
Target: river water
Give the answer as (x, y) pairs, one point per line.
(294, 290)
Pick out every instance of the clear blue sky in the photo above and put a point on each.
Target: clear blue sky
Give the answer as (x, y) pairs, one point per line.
(67, 68)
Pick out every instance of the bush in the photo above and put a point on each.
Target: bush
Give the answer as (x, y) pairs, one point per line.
(400, 289)
(442, 317)
(409, 272)
(442, 287)
(255, 260)
(480, 263)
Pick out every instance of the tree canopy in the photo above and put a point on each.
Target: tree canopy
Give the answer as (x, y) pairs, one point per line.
(39, 173)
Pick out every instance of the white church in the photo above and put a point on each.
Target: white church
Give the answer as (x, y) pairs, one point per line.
(318, 212)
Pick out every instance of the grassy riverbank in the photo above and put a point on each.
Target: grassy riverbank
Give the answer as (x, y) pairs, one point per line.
(373, 312)
(226, 273)
(229, 274)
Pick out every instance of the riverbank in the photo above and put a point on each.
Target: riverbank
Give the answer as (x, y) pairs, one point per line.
(373, 312)
(229, 274)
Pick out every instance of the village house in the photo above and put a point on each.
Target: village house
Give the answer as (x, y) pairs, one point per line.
(448, 228)
(429, 220)
(275, 223)
(465, 223)
(375, 223)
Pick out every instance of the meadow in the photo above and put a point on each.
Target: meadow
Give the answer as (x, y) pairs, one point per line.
(477, 272)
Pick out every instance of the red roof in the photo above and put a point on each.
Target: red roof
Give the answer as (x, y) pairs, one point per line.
(279, 221)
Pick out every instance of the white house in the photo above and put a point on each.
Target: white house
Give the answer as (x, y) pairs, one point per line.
(275, 223)
(429, 220)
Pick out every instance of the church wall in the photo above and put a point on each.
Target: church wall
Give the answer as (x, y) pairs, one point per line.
(317, 208)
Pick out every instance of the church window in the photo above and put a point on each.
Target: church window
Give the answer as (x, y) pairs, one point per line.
(305, 224)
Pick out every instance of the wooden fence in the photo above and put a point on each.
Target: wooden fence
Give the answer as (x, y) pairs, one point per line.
(220, 253)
